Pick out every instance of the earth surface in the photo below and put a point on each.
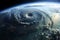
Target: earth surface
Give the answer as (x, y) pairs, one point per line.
(31, 21)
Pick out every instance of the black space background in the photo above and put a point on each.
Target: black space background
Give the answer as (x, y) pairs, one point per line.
(8, 3)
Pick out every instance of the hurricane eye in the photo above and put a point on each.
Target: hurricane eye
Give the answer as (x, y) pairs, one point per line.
(30, 14)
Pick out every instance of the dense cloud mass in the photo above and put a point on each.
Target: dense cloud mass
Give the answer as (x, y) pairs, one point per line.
(34, 21)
